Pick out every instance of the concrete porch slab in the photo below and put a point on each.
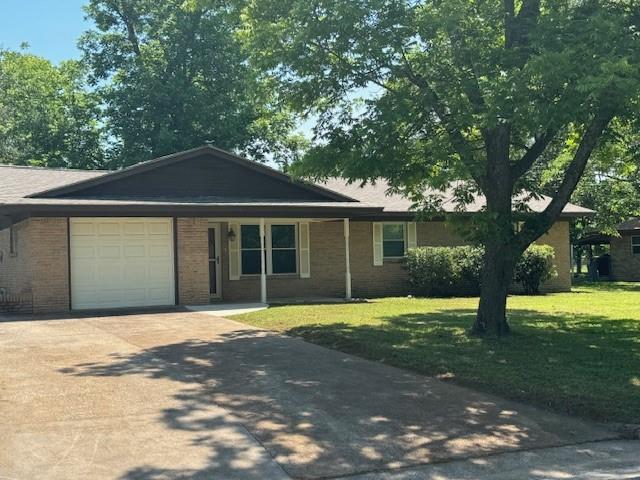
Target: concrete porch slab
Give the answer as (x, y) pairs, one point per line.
(227, 309)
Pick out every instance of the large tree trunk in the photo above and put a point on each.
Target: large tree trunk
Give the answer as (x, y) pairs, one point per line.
(497, 270)
(497, 276)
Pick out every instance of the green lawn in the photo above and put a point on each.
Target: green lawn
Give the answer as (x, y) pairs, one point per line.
(576, 352)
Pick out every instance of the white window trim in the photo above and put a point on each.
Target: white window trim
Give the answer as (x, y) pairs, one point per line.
(635, 242)
(404, 234)
(240, 249)
(269, 249)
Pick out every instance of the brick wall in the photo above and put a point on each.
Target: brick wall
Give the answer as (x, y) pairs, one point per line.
(193, 261)
(49, 252)
(558, 238)
(438, 234)
(369, 280)
(40, 269)
(327, 264)
(625, 265)
(37, 276)
(15, 271)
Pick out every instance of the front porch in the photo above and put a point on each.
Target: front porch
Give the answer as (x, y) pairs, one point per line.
(265, 260)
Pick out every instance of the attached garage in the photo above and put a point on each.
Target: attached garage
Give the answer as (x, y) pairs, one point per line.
(121, 262)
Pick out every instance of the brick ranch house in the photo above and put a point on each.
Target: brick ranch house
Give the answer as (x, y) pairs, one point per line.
(624, 250)
(187, 229)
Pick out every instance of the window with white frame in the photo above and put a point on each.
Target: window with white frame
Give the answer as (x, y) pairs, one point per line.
(250, 249)
(393, 240)
(283, 244)
(281, 249)
(635, 245)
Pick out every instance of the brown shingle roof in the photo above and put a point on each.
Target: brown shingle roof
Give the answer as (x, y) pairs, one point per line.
(17, 182)
(630, 225)
(377, 194)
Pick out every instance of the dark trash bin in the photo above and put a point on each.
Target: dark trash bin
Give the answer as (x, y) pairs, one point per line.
(604, 265)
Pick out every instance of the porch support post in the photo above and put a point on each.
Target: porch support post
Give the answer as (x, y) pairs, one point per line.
(347, 274)
(263, 268)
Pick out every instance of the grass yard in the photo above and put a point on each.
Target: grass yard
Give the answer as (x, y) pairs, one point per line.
(577, 353)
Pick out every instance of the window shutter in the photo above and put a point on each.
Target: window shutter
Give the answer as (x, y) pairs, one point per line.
(305, 263)
(412, 237)
(377, 244)
(234, 252)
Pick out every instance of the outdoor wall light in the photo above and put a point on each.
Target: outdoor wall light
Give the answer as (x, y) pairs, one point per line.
(231, 235)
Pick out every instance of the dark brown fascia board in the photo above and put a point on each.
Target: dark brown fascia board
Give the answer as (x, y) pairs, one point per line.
(6, 221)
(357, 213)
(185, 155)
(440, 216)
(301, 211)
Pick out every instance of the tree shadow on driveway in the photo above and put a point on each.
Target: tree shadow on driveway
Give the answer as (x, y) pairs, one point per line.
(585, 365)
(320, 413)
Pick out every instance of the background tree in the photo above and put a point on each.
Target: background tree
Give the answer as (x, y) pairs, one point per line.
(173, 75)
(47, 117)
(610, 184)
(476, 93)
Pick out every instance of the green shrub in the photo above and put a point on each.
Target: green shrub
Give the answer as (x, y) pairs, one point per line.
(456, 271)
(535, 267)
(445, 271)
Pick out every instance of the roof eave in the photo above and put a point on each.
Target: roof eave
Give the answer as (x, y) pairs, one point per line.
(197, 210)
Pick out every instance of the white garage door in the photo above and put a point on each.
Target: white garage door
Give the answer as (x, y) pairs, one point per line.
(121, 262)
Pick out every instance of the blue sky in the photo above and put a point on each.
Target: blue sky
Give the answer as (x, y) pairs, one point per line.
(51, 27)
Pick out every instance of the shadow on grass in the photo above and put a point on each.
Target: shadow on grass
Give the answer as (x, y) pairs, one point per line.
(583, 365)
(607, 286)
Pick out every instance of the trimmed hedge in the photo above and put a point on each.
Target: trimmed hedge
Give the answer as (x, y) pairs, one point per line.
(456, 271)
(445, 271)
(535, 267)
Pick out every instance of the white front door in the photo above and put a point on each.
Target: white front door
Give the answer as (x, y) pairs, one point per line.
(121, 262)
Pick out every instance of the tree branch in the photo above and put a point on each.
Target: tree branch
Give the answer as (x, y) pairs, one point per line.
(460, 144)
(572, 176)
(522, 166)
(132, 35)
(509, 16)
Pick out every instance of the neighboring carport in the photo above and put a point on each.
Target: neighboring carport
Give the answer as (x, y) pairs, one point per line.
(598, 266)
(188, 395)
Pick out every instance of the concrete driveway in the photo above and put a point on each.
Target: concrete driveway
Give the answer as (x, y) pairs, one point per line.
(188, 395)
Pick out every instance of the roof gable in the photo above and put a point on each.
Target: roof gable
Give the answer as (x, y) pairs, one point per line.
(204, 173)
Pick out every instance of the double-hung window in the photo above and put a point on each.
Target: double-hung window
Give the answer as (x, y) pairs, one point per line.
(250, 249)
(281, 249)
(635, 245)
(393, 240)
(283, 254)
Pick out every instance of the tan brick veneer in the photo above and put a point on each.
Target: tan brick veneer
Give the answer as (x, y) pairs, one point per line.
(15, 269)
(193, 261)
(625, 265)
(41, 267)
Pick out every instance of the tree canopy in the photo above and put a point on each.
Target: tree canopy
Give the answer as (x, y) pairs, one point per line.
(154, 78)
(173, 75)
(47, 117)
(480, 96)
